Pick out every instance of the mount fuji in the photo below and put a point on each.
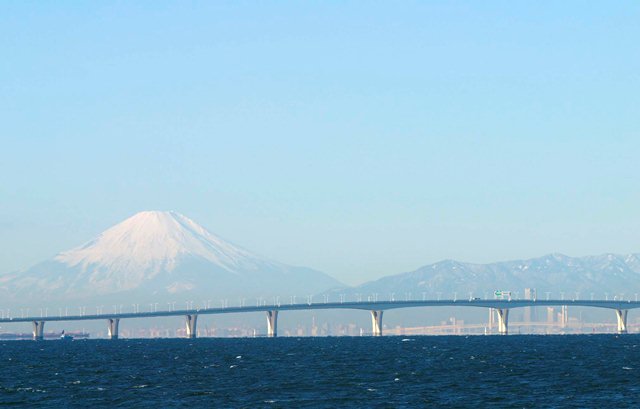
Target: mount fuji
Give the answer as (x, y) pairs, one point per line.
(160, 256)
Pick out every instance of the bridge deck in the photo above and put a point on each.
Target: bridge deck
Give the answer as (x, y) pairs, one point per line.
(363, 305)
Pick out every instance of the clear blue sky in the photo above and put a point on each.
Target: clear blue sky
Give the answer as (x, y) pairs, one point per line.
(359, 138)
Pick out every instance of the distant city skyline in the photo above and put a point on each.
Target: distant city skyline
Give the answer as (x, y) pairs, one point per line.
(359, 142)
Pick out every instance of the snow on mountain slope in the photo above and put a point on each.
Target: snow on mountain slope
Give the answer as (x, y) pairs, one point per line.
(157, 254)
(554, 273)
(149, 243)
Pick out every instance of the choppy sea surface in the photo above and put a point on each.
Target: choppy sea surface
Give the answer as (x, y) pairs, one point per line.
(598, 371)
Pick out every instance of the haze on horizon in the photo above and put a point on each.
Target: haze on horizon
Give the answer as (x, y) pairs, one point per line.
(360, 141)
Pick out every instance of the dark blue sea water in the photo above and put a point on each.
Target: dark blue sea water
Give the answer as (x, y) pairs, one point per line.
(596, 371)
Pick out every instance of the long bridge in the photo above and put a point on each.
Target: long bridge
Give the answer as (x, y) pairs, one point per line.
(376, 309)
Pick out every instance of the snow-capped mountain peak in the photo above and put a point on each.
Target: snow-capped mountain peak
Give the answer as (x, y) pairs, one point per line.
(154, 255)
(155, 239)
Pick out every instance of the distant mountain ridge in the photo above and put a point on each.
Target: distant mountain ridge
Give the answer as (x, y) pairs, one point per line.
(157, 256)
(160, 256)
(554, 273)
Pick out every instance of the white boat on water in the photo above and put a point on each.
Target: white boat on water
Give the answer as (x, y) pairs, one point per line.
(65, 337)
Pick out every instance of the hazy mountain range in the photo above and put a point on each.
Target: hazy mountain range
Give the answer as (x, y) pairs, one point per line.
(164, 256)
(554, 273)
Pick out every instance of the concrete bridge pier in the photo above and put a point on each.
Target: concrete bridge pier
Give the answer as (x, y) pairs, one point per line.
(622, 321)
(38, 330)
(272, 323)
(113, 324)
(376, 322)
(192, 320)
(503, 320)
